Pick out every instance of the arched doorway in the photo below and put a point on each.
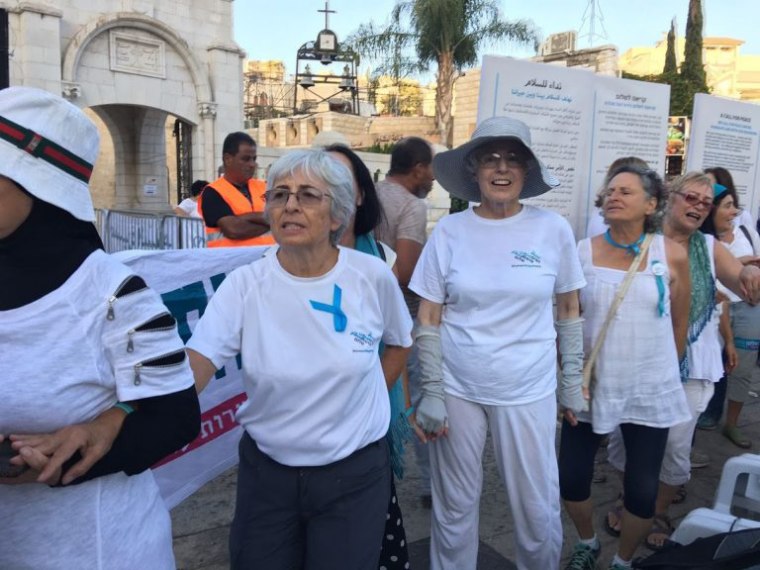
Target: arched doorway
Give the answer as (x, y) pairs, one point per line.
(138, 79)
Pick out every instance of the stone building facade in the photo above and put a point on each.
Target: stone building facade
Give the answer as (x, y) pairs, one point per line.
(137, 67)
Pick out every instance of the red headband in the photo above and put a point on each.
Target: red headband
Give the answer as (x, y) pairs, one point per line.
(40, 147)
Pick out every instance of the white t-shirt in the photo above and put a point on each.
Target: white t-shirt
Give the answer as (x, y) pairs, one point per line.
(739, 247)
(190, 207)
(496, 280)
(315, 393)
(64, 362)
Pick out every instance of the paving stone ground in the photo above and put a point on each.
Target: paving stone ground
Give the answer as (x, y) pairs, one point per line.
(201, 523)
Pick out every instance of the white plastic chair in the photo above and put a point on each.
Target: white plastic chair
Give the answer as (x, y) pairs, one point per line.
(739, 487)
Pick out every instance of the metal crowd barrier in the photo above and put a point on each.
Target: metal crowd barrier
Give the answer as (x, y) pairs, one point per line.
(121, 230)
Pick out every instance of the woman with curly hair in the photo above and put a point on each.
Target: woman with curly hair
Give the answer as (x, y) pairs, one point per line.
(637, 386)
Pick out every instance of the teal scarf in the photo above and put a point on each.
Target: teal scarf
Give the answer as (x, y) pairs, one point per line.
(399, 430)
(702, 291)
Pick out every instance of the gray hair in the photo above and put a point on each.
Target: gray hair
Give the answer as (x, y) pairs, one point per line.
(652, 185)
(318, 165)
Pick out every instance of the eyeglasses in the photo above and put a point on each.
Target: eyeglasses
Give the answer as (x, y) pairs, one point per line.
(307, 197)
(493, 159)
(695, 199)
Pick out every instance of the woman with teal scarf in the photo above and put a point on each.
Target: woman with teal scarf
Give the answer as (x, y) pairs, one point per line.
(358, 235)
(690, 203)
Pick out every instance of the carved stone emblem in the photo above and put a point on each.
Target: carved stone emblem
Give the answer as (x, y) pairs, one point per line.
(131, 53)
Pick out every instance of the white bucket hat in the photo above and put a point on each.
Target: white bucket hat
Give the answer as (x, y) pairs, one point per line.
(453, 173)
(48, 146)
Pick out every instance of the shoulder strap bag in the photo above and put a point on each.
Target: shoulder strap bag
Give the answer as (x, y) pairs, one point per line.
(588, 367)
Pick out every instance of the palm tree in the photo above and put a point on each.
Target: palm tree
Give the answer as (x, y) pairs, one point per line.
(447, 32)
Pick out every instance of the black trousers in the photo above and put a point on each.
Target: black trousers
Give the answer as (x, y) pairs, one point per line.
(311, 518)
(644, 450)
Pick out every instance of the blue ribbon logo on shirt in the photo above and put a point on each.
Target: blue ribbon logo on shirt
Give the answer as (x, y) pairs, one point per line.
(339, 317)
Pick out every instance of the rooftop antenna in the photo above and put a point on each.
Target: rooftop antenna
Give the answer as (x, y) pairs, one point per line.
(591, 14)
(327, 13)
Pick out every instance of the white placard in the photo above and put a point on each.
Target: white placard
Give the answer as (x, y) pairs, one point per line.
(724, 132)
(580, 122)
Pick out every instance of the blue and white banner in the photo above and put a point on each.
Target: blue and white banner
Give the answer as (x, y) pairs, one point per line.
(186, 280)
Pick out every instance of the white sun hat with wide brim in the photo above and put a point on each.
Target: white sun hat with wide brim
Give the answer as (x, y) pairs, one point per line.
(48, 146)
(452, 172)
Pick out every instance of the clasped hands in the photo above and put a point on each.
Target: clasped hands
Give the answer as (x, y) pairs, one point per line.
(45, 454)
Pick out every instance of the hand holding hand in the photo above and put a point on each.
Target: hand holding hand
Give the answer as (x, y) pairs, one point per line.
(431, 415)
(92, 440)
(749, 280)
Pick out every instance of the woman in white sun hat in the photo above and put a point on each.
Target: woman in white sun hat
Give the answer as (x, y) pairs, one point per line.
(487, 342)
(94, 382)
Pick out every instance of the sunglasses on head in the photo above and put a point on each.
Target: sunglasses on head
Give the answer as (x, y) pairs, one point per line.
(695, 199)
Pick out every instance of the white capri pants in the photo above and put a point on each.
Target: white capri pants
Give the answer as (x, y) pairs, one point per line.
(676, 465)
(523, 438)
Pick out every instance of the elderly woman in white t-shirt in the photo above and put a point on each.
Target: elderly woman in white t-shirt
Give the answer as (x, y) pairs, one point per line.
(314, 475)
(487, 343)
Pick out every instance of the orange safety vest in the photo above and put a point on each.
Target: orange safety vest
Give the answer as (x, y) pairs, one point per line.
(239, 204)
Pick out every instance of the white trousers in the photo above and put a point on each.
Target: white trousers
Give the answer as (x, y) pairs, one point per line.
(523, 438)
(676, 464)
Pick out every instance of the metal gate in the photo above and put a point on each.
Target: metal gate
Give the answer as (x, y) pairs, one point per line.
(183, 139)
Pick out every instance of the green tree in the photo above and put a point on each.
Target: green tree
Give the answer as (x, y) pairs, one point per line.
(691, 79)
(692, 68)
(671, 67)
(448, 33)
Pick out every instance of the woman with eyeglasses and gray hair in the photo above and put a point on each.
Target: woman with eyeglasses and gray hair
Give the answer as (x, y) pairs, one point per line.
(636, 385)
(487, 344)
(314, 474)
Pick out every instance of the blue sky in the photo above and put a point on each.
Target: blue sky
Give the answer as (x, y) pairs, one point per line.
(275, 29)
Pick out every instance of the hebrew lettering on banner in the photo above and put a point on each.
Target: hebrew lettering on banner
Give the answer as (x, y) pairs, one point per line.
(186, 280)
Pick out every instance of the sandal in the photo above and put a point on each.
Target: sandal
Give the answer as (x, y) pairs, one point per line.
(680, 495)
(659, 536)
(736, 437)
(614, 518)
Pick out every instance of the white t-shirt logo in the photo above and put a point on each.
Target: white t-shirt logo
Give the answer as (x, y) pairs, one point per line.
(526, 258)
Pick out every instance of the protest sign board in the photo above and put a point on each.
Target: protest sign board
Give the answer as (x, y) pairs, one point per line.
(580, 123)
(724, 132)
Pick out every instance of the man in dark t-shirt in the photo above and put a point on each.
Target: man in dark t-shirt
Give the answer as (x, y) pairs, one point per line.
(232, 206)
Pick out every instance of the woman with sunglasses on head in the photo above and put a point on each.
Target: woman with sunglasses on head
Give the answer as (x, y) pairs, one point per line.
(690, 203)
(744, 244)
(637, 383)
(307, 320)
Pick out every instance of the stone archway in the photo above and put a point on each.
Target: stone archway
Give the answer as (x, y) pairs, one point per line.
(134, 73)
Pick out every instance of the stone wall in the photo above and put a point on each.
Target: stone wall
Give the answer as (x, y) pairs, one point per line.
(360, 131)
(138, 64)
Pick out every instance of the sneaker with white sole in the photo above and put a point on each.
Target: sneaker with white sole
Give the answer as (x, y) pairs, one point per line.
(584, 557)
